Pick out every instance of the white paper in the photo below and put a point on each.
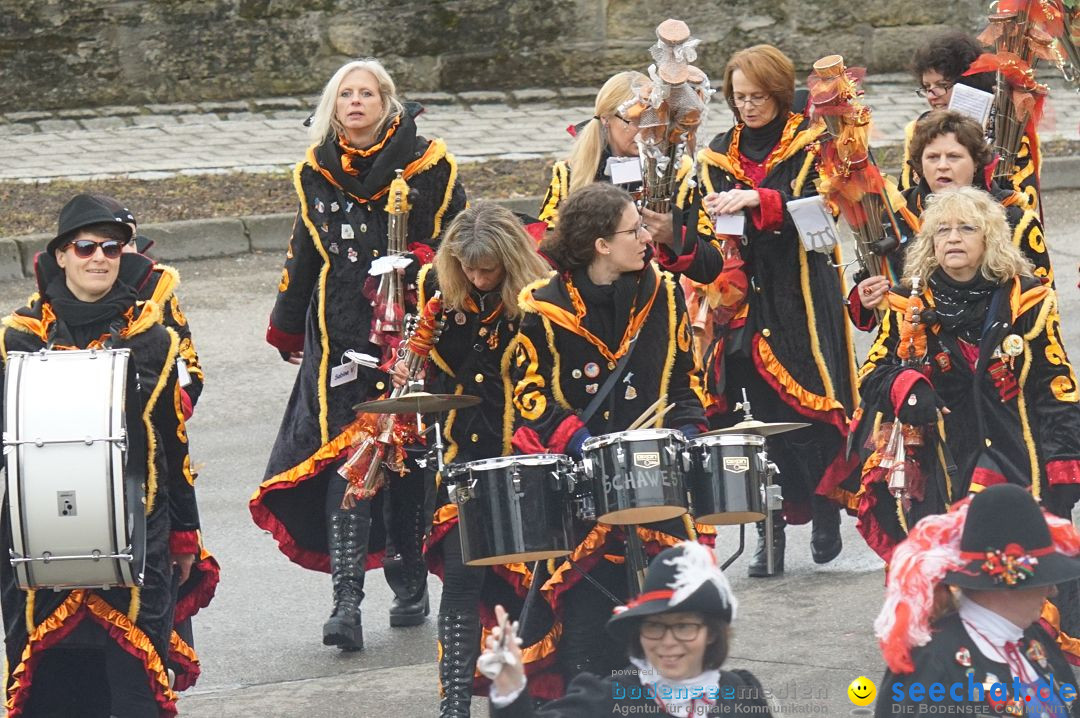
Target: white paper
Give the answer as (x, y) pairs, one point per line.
(624, 170)
(730, 224)
(384, 265)
(365, 360)
(343, 374)
(182, 374)
(971, 102)
(816, 226)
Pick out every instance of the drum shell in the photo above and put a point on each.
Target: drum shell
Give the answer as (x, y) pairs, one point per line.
(73, 498)
(636, 476)
(726, 474)
(502, 521)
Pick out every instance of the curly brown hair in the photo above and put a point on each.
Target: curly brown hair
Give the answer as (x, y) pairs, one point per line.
(951, 54)
(591, 212)
(967, 131)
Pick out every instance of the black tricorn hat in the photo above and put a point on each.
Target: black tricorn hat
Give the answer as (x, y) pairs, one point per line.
(684, 577)
(1008, 545)
(83, 210)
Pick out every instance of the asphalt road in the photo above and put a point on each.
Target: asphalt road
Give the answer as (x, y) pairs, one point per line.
(806, 635)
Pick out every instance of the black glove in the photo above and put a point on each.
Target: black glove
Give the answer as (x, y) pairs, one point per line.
(920, 406)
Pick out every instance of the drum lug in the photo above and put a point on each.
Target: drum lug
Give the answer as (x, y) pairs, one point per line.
(459, 493)
(672, 452)
(516, 479)
(587, 467)
(774, 499)
(620, 454)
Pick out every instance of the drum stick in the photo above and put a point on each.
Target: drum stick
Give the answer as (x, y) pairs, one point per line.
(660, 414)
(636, 423)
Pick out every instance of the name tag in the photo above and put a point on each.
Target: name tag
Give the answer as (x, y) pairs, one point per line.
(182, 374)
(729, 224)
(343, 374)
(624, 170)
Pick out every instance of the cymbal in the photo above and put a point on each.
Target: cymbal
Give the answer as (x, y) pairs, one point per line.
(761, 428)
(418, 402)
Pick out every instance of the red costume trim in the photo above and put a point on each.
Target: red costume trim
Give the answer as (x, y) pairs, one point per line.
(182, 542)
(864, 319)
(203, 592)
(537, 230)
(868, 526)
(283, 341)
(527, 441)
(769, 215)
(1063, 471)
(982, 478)
(186, 407)
(902, 385)
(424, 253)
(835, 417)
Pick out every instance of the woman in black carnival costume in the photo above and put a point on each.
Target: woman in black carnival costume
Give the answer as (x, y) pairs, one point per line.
(485, 260)
(579, 323)
(677, 634)
(778, 327)
(361, 135)
(102, 652)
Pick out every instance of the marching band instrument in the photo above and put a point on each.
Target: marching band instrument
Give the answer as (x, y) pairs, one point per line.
(418, 402)
(381, 436)
(758, 428)
(76, 477)
(389, 302)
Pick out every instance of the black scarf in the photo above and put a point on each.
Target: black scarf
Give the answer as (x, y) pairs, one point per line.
(376, 171)
(608, 305)
(79, 322)
(755, 143)
(961, 306)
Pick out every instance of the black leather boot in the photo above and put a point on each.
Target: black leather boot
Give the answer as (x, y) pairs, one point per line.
(759, 567)
(406, 572)
(459, 643)
(825, 541)
(347, 533)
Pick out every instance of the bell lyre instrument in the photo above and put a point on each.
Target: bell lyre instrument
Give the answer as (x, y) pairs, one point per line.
(389, 303)
(381, 438)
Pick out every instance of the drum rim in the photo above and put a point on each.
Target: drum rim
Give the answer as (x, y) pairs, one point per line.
(594, 442)
(501, 462)
(728, 440)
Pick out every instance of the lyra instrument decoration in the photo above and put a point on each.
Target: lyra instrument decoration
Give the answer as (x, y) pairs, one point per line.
(382, 438)
(668, 108)
(389, 300)
(849, 180)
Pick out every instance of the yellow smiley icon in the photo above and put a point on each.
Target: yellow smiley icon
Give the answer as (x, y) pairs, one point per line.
(861, 692)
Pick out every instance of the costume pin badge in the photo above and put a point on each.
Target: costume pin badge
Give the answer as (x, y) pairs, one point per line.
(631, 393)
(1012, 345)
(592, 370)
(353, 256)
(1037, 654)
(576, 373)
(334, 206)
(347, 231)
(459, 318)
(319, 206)
(333, 248)
(963, 657)
(592, 388)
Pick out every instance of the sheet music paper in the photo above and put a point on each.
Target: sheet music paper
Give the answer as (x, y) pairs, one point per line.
(816, 226)
(971, 102)
(730, 224)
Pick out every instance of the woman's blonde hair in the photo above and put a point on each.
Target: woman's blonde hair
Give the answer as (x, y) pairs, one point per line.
(1001, 260)
(768, 68)
(588, 147)
(483, 233)
(324, 122)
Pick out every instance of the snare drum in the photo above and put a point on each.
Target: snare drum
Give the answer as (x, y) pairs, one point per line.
(726, 473)
(77, 516)
(636, 476)
(513, 508)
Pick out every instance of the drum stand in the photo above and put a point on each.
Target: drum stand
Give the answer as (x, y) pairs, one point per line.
(636, 562)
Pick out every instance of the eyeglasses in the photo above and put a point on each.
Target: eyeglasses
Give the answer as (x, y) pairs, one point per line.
(85, 248)
(937, 90)
(629, 123)
(635, 231)
(965, 230)
(749, 100)
(655, 631)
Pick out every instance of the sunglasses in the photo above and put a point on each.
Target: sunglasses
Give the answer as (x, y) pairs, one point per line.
(85, 248)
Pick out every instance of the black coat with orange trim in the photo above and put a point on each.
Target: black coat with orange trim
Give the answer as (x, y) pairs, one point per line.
(172, 520)
(558, 365)
(1032, 438)
(161, 288)
(794, 314)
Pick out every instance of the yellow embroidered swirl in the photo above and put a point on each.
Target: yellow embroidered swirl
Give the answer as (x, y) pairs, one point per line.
(529, 399)
(1063, 386)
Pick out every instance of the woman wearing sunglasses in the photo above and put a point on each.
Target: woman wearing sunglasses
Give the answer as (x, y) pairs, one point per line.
(677, 634)
(118, 637)
(776, 310)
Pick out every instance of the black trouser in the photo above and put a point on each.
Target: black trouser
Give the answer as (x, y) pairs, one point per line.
(462, 585)
(585, 645)
(91, 683)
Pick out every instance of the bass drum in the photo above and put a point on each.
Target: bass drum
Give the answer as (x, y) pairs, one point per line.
(513, 508)
(636, 476)
(727, 476)
(75, 452)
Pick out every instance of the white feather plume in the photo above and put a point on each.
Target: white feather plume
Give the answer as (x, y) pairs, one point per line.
(693, 569)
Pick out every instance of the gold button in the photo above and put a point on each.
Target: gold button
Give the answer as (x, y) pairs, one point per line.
(765, 332)
(479, 378)
(380, 385)
(363, 227)
(475, 438)
(610, 365)
(374, 253)
(988, 442)
(607, 415)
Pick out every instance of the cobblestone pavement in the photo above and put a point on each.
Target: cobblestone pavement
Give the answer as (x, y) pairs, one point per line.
(156, 141)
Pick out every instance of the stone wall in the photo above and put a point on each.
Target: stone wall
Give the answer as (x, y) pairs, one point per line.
(57, 54)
